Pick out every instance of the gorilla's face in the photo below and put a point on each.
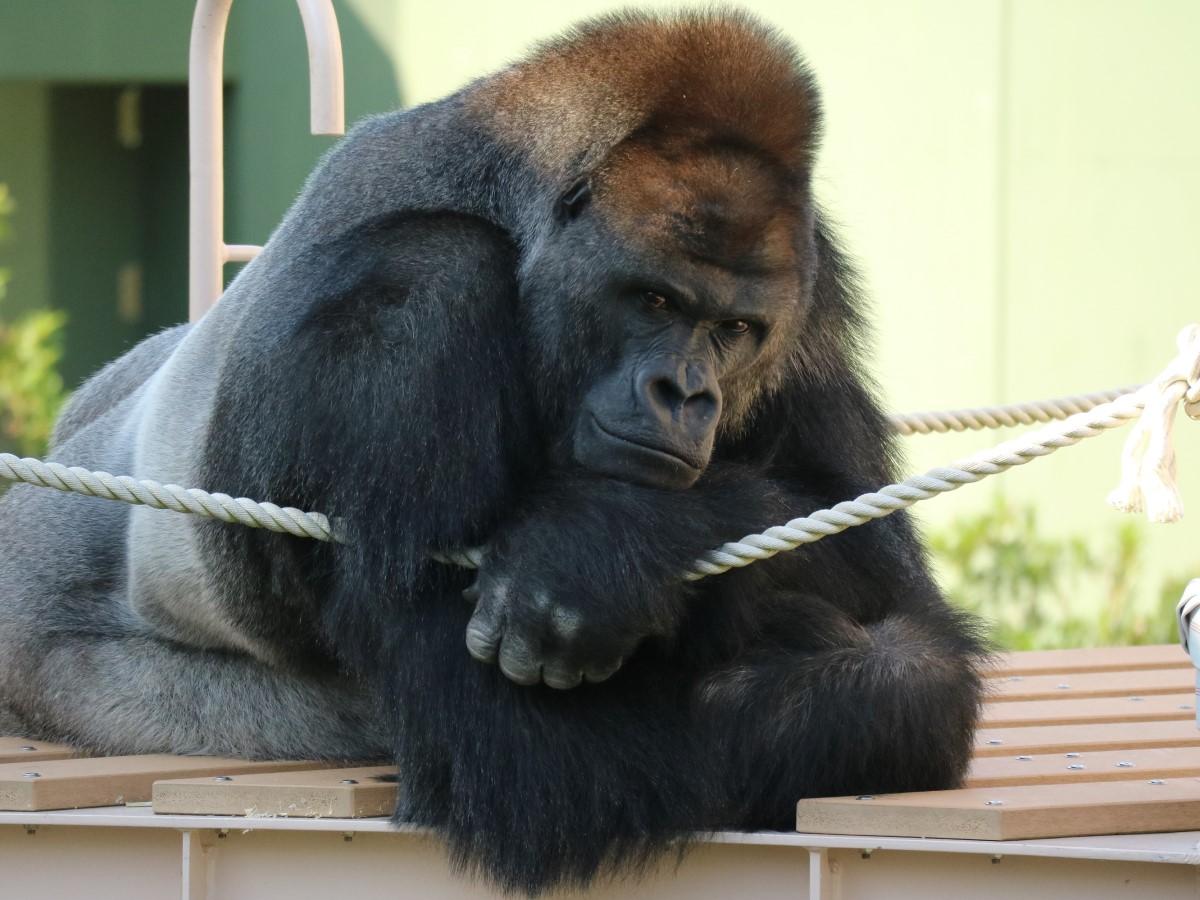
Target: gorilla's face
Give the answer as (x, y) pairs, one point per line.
(661, 307)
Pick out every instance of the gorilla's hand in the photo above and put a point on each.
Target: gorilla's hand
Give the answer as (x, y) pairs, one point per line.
(543, 630)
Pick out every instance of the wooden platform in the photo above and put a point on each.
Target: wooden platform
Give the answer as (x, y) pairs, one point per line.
(1074, 744)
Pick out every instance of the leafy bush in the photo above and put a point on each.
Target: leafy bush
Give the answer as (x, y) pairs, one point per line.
(1029, 586)
(31, 390)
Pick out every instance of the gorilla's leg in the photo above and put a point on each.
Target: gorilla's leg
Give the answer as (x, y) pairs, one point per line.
(884, 707)
(77, 664)
(138, 694)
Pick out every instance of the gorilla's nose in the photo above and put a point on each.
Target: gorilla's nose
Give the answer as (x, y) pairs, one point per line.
(680, 394)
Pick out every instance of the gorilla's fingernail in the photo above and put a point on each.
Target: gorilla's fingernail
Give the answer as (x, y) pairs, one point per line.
(562, 679)
(595, 675)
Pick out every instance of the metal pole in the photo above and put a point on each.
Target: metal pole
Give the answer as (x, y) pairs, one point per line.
(207, 250)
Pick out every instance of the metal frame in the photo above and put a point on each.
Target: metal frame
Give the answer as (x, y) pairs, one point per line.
(297, 858)
(207, 250)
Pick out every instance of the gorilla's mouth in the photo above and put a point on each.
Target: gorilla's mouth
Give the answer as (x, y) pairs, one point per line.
(629, 459)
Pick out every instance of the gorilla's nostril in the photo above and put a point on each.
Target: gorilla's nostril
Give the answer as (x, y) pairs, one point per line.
(701, 407)
(666, 394)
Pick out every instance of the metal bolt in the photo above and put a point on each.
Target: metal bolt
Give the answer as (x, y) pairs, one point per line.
(996, 859)
(28, 749)
(348, 781)
(347, 836)
(222, 833)
(223, 778)
(866, 854)
(1124, 765)
(865, 797)
(1064, 687)
(1076, 766)
(31, 774)
(993, 802)
(995, 742)
(1155, 781)
(1072, 756)
(1024, 758)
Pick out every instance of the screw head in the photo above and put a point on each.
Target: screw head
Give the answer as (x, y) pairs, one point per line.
(1016, 677)
(31, 774)
(1076, 766)
(1124, 764)
(223, 778)
(993, 802)
(1155, 781)
(348, 781)
(27, 749)
(1064, 687)
(995, 742)
(1136, 699)
(865, 797)
(1185, 706)
(1072, 756)
(1024, 758)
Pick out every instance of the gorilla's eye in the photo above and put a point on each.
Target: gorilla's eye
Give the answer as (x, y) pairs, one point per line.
(736, 326)
(571, 203)
(655, 300)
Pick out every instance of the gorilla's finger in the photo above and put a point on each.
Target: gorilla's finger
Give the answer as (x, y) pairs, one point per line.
(598, 673)
(483, 634)
(518, 661)
(472, 594)
(561, 677)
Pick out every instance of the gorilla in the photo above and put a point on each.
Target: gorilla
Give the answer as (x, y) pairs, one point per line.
(583, 312)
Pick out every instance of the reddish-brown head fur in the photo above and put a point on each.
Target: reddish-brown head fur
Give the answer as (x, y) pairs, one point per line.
(721, 74)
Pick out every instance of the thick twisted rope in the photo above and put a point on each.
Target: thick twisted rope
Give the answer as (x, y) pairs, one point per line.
(234, 510)
(1083, 416)
(981, 417)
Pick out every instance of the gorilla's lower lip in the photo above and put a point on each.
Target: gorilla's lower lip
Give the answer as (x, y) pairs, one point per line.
(665, 455)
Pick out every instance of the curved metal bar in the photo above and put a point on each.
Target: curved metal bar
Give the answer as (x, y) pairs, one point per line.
(207, 251)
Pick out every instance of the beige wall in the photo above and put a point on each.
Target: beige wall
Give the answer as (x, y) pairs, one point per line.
(1019, 179)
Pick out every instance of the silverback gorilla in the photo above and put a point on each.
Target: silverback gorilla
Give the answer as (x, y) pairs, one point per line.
(584, 312)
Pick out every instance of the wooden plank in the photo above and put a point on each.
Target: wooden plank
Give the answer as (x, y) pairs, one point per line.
(1080, 738)
(1068, 768)
(1091, 711)
(343, 793)
(112, 780)
(1077, 685)
(1013, 813)
(1099, 659)
(18, 749)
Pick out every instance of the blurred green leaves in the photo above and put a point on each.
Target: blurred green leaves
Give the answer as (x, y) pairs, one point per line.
(31, 390)
(1038, 591)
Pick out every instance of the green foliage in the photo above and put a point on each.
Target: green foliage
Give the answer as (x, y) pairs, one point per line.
(1038, 591)
(31, 390)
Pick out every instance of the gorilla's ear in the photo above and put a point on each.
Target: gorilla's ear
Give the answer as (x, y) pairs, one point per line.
(572, 203)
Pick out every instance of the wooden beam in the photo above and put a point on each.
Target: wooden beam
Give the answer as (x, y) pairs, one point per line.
(112, 780)
(1078, 738)
(1104, 765)
(1092, 711)
(344, 793)
(1099, 659)
(1013, 813)
(1074, 686)
(18, 750)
